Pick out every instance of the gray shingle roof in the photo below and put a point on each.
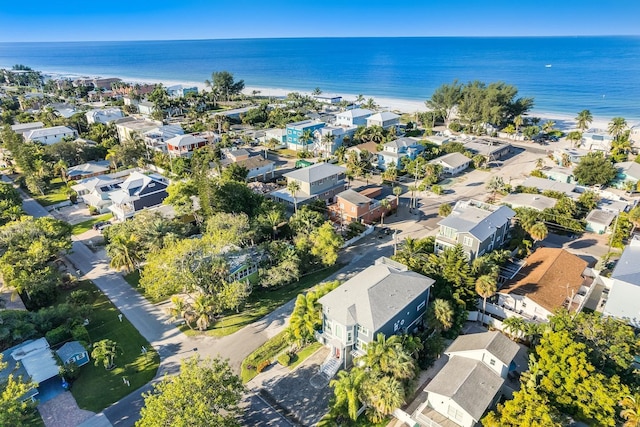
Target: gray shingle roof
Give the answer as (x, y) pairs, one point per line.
(374, 296)
(69, 349)
(470, 383)
(480, 223)
(315, 172)
(543, 184)
(598, 216)
(494, 342)
(402, 142)
(452, 160)
(628, 267)
(533, 201)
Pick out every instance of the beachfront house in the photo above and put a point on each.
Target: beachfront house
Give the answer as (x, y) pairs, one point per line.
(320, 181)
(354, 117)
(178, 91)
(296, 132)
(568, 156)
(361, 206)
(478, 227)
(328, 98)
(622, 301)
(385, 119)
(471, 382)
(492, 149)
(596, 140)
(104, 116)
(184, 145)
(452, 163)
(394, 151)
(384, 298)
(550, 279)
(50, 135)
(136, 193)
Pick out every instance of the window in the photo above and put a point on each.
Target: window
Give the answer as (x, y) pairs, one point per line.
(454, 413)
(421, 305)
(467, 241)
(338, 331)
(524, 304)
(349, 335)
(448, 232)
(363, 331)
(492, 362)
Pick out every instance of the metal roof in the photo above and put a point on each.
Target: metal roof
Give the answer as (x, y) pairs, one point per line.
(315, 172)
(468, 217)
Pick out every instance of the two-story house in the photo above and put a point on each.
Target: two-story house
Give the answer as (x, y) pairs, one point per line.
(529, 200)
(128, 126)
(184, 145)
(452, 163)
(95, 191)
(626, 172)
(394, 151)
(478, 227)
(622, 302)
(596, 140)
(385, 119)
(136, 193)
(320, 181)
(353, 117)
(157, 137)
(471, 382)
(384, 298)
(50, 135)
(361, 206)
(298, 129)
(178, 91)
(257, 166)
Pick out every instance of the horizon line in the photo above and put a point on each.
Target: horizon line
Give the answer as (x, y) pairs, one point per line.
(331, 37)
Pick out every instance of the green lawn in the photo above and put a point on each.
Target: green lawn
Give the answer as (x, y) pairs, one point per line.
(262, 302)
(98, 388)
(304, 353)
(267, 351)
(55, 194)
(83, 226)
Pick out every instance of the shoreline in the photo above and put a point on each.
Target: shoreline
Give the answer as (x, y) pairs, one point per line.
(564, 121)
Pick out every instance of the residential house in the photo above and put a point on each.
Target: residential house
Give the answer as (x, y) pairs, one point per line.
(257, 166)
(97, 82)
(87, 170)
(567, 156)
(184, 145)
(385, 119)
(157, 137)
(452, 163)
(104, 116)
(22, 128)
(492, 149)
(615, 206)
(626, 171)
(359, 206)
(528, 200)
(146, 108)
(95, 191)
(328, 138)
(550, 279)
(50, 135)
(543, 184)
(297, 129)
(136, 193)
(320, 181)
(394, 151)
(438, 140)
(279, 135)
(328, 99)
(178, 91)
(622, 302)
(477, 226)
(236, 113)
(354, 117)
(128, 126)
(384, 298)
(599, 220)
(471, 382)
(242, 263)
(559, 174)
(596, 140)
(73, 352)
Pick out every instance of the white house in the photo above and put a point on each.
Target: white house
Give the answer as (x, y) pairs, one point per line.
(452, 163)
(257, 166)
(385, 119)
(184, 145)
(104, 116)
(23, 128)
(354, 117)
(599, 220)
(128, 126)
(596, 140)
(157, 137)
(624, 295)
(95, 191)
(50, 135)
(529, 200)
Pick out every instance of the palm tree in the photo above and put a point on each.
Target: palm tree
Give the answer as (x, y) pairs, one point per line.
(517, 122)
(61, 167)
(547, 127)
(347, 389)
(383, 394)
(631, 411)
(574, 137)
(327, 140)
(304, 139)
(385, 205)
(123, 252)
(583, 120)
(538, 231)
(495, 184)
(202, 308)
(486, 287)
(442, 313)
(274, 218)
(389, 357)
(105, 352)
(514, 326)
(293, 187)
(617, 126)
(397, 191)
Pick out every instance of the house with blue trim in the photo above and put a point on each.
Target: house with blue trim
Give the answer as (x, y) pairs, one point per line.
(394, 151)
(626, 171)
(296, 129)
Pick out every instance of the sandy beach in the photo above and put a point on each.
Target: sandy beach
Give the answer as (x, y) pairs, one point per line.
(564, 121)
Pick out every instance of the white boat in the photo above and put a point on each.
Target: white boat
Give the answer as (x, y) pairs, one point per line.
(548, 66)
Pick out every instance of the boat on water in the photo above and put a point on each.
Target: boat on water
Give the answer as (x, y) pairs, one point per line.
(548, 66)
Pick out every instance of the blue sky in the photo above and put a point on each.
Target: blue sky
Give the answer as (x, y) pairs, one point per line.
(74, 20)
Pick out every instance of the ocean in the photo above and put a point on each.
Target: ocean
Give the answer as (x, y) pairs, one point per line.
(563, 74)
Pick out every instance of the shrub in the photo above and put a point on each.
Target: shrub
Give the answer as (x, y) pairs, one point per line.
(263, 365)
(93, 210)
(80, 333)
(78, 297)
(58, 335)
(284, 359)
(70, 371)
(436, 189)
(455, 126)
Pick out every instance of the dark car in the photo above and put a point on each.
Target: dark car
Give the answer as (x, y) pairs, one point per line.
(99, 224)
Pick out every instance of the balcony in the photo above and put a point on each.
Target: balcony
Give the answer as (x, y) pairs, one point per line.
(429, 417)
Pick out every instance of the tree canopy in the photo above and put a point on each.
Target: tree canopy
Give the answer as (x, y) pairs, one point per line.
(594, 169)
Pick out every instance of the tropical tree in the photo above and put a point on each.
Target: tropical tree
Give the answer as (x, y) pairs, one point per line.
(631, 410)
(347, 389)
(293, 187)
(538, 231)
(444, 100)
(104, 352)
(180, 309)
(382, 395)
(388, 356)
(486, 287)
(385, 205)
(445, 210)
(495, 184)
(574, 137)
(548, 126)
(583, 120)
(305, 138)
(14, 409)
(442, 314)
(203, 306)
(124, 253)
(617, 127)
(204, 393)
(594, 168)
(223, 83)
(517, 122)
(325, 243)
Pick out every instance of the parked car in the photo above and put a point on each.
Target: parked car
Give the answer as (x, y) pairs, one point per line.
(99, 224)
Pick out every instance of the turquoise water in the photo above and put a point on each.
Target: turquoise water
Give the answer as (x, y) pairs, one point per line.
(601, 74)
